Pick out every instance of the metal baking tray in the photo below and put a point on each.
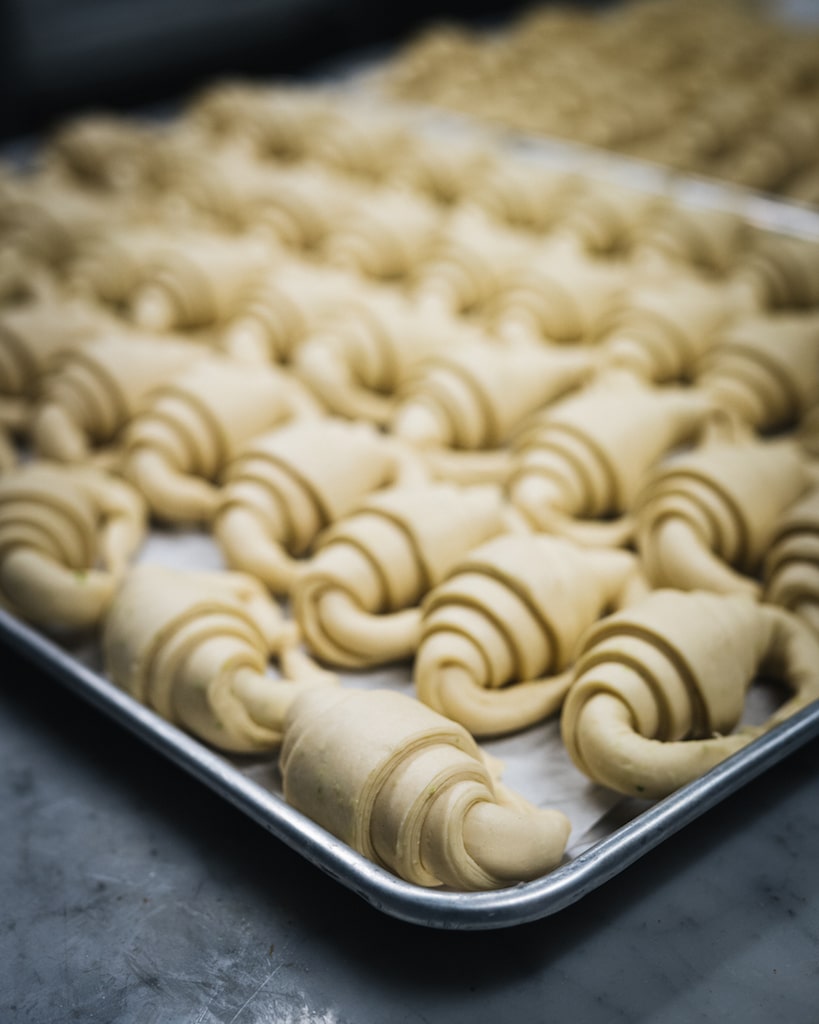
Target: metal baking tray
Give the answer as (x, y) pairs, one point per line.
(611, 832)
(253, 791)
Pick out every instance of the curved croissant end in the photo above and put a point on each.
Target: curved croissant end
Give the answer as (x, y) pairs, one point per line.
(324, 369)
(249, 545)
(171, 495)
(194, 646)
(8, 452)
(791, 568)
(57, 434)
(676, 554)
(354, 600)
(52, 596)
(411, 791)
(513, 610)
(658, 689)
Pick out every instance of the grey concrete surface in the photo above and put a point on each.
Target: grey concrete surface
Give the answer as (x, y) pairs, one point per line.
(129, 893)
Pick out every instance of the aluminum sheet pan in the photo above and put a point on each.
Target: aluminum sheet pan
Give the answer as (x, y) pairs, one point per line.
(592, 867)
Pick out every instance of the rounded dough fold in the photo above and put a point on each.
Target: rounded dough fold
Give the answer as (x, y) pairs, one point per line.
(791, 566)
(659, 687)
(175, 448)
(66, 535)
(586, 456)
(411, 791)
(706, 517)
(356, 600)
(194, 646)
(287, 485)
(498, 636)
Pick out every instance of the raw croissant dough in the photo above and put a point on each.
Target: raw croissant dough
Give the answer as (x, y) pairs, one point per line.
(356, 601)
(659, 687)
(57, 525)
(195, 424)
(499, 634)
(791, 566)
(194, 646)
(411, 791)
(287, 485)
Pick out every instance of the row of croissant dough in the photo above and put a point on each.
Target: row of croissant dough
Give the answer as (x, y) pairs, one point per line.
(563, 469)
(715, 88)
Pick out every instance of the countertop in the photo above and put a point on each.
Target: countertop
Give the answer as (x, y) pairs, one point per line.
(130, 893)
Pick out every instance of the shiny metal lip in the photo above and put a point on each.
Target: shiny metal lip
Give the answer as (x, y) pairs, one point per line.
(427, 907)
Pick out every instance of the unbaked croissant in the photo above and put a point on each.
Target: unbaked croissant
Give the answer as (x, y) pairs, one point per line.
(33, 336)
(287, 485)
(66, 535)
(674, 235)
(194, 646)
(765, 369)
(606, 218)
(111, 266)
(412, 791)
(705, 517)
(556, 297)
(356, 601)
(386, 236)
(175, 448)
(661, 329)
(100, 151)
(499, 634)
(778, 272)
(92, 392)
(361, 352)
(659, 687)
(283, 307)
(470, 262)
(475, 395)
(791, 566)
(198, 279)
(442, 169)
(360, 140)
(587, 455)
(523, 195)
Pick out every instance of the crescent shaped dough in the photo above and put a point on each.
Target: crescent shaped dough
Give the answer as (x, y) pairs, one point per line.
(360, 141)
(34, 336)
(476, 395)
(175, 448)
(444, 170)
(521, 194)
(275, 122)
(661, 330)
(358, 358)
(110, 266)
(194, 646)
(778, 272)
(197, 280)
(766, 369)
(470, 262)
(560, 298)
(587, 455)
(499, 634)
(706, 518)
(791, 567)
(284, 307)
(66, 535)
(356, 600)
(102, 152)
(411, 791)
(674, 235)
(299, 206)
(605, 218)
(94, 391)
(385, 237)
(287, 485)
(659, 688)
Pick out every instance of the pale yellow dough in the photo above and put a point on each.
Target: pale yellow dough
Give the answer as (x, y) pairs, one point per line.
(66, 535)
(587, 455)
(706, 517)
(498, 635)
(411, 791)
(175, 448)
(357, 599)
(287, 485)
(791, 565)
(94, 391)
(659, 687)
(194, 646)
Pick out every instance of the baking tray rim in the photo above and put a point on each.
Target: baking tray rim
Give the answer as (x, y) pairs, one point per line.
(431, 908)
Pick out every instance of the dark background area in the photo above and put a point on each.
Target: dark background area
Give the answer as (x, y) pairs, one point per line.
(63, 55)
